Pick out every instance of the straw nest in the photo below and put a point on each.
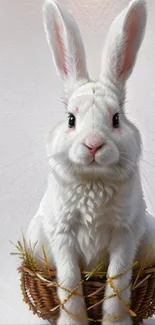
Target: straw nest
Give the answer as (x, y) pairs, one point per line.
(39, 288)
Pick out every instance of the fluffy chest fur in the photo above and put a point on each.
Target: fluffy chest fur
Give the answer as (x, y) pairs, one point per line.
(88, 213)
(85, 201)
(94, 204)
(85, 216)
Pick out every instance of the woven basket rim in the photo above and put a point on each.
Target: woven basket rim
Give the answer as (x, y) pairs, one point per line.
(147, 271)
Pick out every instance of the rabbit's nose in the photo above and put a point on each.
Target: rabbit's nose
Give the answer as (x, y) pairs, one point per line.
(93, 149)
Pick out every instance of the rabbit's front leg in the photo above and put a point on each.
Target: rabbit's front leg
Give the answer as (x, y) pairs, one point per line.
(122, 253)
(69, 276)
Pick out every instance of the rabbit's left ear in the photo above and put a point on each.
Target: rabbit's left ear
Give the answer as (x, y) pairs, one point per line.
(123, 42)
(65, 42)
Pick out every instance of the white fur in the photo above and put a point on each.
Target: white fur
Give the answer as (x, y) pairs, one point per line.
(93, 210)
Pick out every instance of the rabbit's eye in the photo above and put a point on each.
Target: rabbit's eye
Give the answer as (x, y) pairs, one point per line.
(71, 120)
(116, 121)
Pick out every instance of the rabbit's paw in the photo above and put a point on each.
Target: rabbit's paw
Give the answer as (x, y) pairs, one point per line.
(66, 320)
(70, 321)
(123, 321)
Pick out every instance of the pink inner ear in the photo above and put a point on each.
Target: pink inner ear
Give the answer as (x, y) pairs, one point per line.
(61, 49)
(131, 30)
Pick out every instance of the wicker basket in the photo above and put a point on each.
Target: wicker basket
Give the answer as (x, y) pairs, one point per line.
(40, 293)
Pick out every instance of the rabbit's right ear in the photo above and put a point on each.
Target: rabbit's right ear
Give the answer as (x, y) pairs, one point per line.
(65, 42)
(123, 42)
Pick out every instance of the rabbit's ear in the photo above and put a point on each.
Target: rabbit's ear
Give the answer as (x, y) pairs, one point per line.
(65, 42)
(123, 42)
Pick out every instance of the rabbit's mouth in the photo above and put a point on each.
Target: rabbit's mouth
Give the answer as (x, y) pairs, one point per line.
(84, 155)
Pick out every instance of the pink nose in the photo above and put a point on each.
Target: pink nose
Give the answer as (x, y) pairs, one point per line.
(93, 149)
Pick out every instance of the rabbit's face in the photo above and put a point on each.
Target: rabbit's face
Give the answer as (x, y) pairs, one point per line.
(101, 135)
(96, 139)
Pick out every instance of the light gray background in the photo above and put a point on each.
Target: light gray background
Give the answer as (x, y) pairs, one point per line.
(30, 107)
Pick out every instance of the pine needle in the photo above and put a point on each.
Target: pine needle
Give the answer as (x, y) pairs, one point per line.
(46, 261)
(94, 271)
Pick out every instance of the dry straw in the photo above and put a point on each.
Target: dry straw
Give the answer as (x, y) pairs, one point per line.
(39, 287)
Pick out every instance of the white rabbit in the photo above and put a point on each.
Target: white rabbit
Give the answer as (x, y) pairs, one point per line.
(93, 208)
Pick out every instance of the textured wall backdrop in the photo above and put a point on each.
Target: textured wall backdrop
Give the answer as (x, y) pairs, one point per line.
(30, 107)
